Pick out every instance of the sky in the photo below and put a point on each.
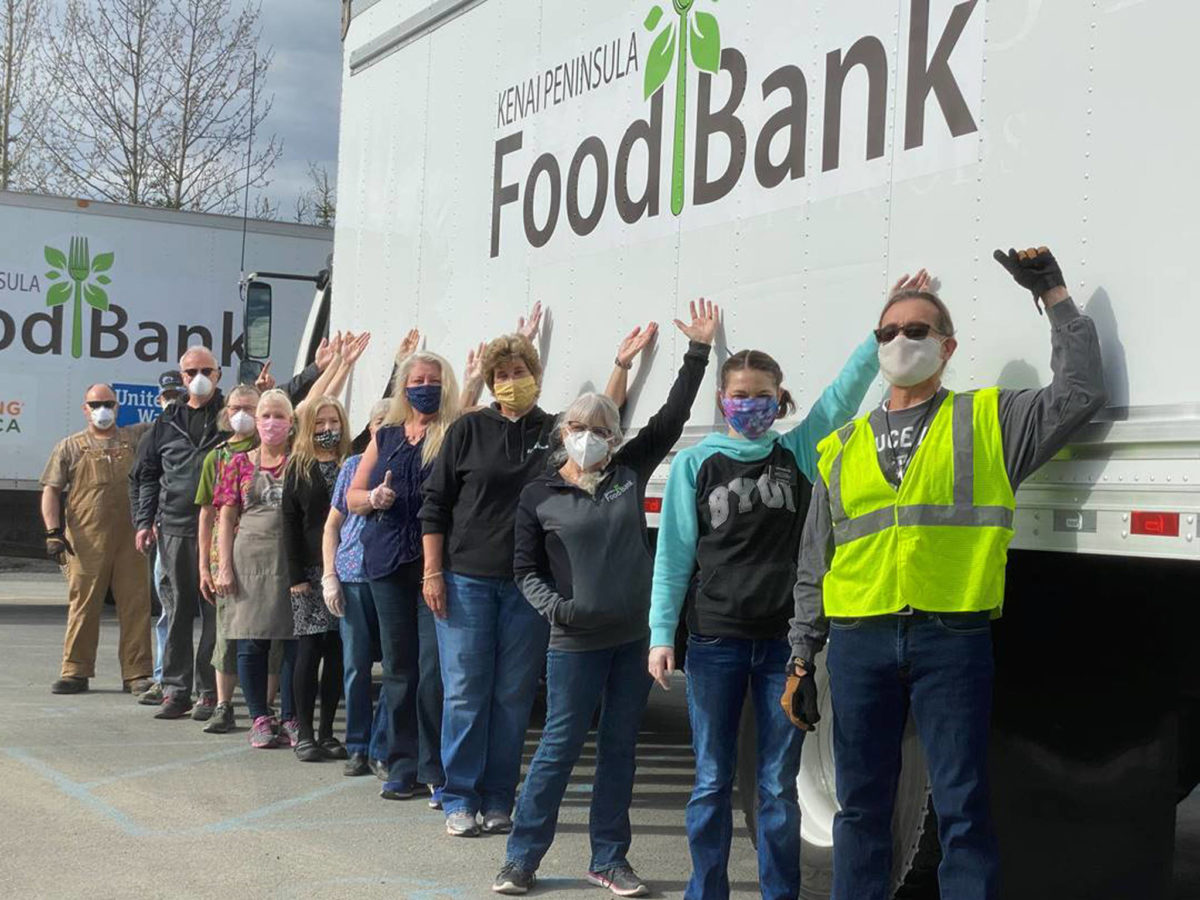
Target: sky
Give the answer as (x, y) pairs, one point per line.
(305, 79)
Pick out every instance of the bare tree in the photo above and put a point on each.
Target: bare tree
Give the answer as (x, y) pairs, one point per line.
(22, 97)
(264, 208)
(214, 103)
(322, 196)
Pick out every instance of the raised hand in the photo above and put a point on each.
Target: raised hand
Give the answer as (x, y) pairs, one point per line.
(1034, 269)
(325, 354)
(529, 327)
(409, 345)
(474, 369)
(382, 497)
(634, 343)
(705, 319)
(265, 380)
(918, 282)
(354, 346)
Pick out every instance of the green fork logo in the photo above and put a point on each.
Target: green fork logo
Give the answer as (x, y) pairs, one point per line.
(688, 30)
(78, 267)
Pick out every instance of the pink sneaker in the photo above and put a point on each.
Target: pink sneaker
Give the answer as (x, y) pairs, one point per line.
(288, 733)
(262, 734)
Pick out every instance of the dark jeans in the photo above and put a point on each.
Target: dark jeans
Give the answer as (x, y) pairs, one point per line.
(360, 646)
(179, 592)
(493, 645)
(412, 683)
(253, 668)
(940, 667)
(618, 681)
(719, 673)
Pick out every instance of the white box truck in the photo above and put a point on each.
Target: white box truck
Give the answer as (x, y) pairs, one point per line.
(141, 285)
(790, 160)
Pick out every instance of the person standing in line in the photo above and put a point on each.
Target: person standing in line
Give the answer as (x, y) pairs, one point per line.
(930, 474)
(322, 441)
(94, 542)
(597, 603)
(491, 641)
(348, 596)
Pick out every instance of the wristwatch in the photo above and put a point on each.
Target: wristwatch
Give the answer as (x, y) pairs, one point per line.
(620, 365)
(798, 662)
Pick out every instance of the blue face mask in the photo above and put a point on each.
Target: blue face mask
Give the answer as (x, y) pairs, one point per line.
(751, 417)
(425, 398)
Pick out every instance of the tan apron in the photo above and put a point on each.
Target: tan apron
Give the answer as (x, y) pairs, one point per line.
(261, 607)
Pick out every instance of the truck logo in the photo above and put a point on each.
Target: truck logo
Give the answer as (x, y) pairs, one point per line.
(72, 274)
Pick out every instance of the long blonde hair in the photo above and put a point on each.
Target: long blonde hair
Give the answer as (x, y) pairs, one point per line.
(304, 453)
(401, 409)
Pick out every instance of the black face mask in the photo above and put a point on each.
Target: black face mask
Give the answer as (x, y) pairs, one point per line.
(327, 440)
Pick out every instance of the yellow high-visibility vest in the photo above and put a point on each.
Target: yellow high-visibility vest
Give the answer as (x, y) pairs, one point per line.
(939, 542)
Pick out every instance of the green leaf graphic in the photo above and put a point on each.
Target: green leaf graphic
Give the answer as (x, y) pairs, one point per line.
(104, 279)
(95, 297)
(102, 262)
(53, 275)
(706, 42)
(55, 258)
(58, 294)
(653, 17)
(659, 60)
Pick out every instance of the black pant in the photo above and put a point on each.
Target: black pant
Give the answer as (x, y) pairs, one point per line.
(311, 651)
(179, 592)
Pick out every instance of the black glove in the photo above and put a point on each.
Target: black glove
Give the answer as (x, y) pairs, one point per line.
(800, 696)
(58, 547)
(1036, 270)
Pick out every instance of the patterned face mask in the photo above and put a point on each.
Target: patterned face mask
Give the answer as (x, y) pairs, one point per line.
(751, 417)
(327, 440)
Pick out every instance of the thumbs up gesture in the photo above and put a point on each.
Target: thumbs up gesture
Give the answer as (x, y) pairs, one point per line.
(382, 496)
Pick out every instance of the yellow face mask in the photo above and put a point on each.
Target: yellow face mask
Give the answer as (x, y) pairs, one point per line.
(519, 394)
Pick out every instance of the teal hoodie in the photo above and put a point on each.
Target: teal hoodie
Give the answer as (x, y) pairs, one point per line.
(678, 530)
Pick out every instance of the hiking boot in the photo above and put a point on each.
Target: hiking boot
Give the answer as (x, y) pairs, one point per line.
(395, 790)
(138, 685)
(380, 768)
(308, 751)
(287, 733)
(174, 706)
(356, 765)
(332, 748)
(621, 880)
(69, 685)
(152, 696)
(262, 733)
(435, 796)
(497, 823)
(204, 709)
(462, 824)
(222, 721)
(513, 880)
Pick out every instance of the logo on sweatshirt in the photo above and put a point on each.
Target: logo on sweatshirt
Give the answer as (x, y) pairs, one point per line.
(745, 493)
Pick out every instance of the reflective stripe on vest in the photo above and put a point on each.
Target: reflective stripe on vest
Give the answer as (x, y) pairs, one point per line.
(938, 542)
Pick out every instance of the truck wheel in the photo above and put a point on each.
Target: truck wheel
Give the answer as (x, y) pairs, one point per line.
(914, 825)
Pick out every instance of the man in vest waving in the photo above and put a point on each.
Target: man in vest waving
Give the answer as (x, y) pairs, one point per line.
(902, 563)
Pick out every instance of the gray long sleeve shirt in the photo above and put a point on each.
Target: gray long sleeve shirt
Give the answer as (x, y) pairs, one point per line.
(1034, 425)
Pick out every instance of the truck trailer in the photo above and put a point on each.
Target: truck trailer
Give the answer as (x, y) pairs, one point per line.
(790, 160)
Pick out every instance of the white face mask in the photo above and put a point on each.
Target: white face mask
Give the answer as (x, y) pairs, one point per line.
(905, 362)
(586, 450)
(200, 387)
(242, 423)
(103, 418)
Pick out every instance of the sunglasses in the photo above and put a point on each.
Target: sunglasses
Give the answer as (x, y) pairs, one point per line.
(599, 431)
(917, 331)
(192, 373)
(101, 404)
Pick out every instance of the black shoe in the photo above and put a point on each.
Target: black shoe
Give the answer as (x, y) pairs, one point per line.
(332, 748)
(69, 685)
(513, 880)
(222, 721)
(380, 768)
(308, 751)
(356, 765)
(175, 706)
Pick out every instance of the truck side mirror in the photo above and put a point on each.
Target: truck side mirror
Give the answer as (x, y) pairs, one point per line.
(256, 321)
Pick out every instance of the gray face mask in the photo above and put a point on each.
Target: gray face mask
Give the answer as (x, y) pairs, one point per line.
(905, 362)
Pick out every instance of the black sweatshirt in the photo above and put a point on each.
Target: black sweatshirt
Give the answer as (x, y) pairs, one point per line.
(305, 507)
(583, 560)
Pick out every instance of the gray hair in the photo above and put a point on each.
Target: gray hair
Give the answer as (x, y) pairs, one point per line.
(587, 409)
(379, 410)
(199, 348)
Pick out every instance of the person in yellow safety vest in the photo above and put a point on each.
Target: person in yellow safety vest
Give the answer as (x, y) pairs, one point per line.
(902, 567)
(95, 543)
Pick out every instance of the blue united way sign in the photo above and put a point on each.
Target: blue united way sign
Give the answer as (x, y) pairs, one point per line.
(136, 403)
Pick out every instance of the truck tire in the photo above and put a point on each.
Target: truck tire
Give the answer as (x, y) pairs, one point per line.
(914, 824)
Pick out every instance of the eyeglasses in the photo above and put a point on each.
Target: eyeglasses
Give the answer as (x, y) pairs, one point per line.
(101, 404)
(192, 373)
(917, 331)
(598, 430)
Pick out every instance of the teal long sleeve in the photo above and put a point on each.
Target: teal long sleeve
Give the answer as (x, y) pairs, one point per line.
(675, 556)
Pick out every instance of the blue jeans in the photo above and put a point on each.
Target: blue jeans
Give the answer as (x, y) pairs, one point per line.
(412, 681)
(360, 642)
(618, 681)
(252, 660)
(719, 673)
(940, 667)
(493, 646)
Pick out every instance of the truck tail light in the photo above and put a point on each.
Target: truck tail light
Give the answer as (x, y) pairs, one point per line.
(654, 505)
(1157, 524)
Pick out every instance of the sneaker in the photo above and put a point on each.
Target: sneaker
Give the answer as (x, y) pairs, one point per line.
(513, 880)
(380, 768)
(138, 685)
(435, 796)
(69, 685)
(204, 709)
(287, 733)
(497, 823)
(395, 790)
(356, 765)
(621, 880)
(306, 750)
(175, 706)
(222, 721)
(332, 748)
(262, 733)
(152, 696)
(462, 824)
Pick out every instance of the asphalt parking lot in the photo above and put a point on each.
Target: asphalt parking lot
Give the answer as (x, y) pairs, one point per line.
(101, 800)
